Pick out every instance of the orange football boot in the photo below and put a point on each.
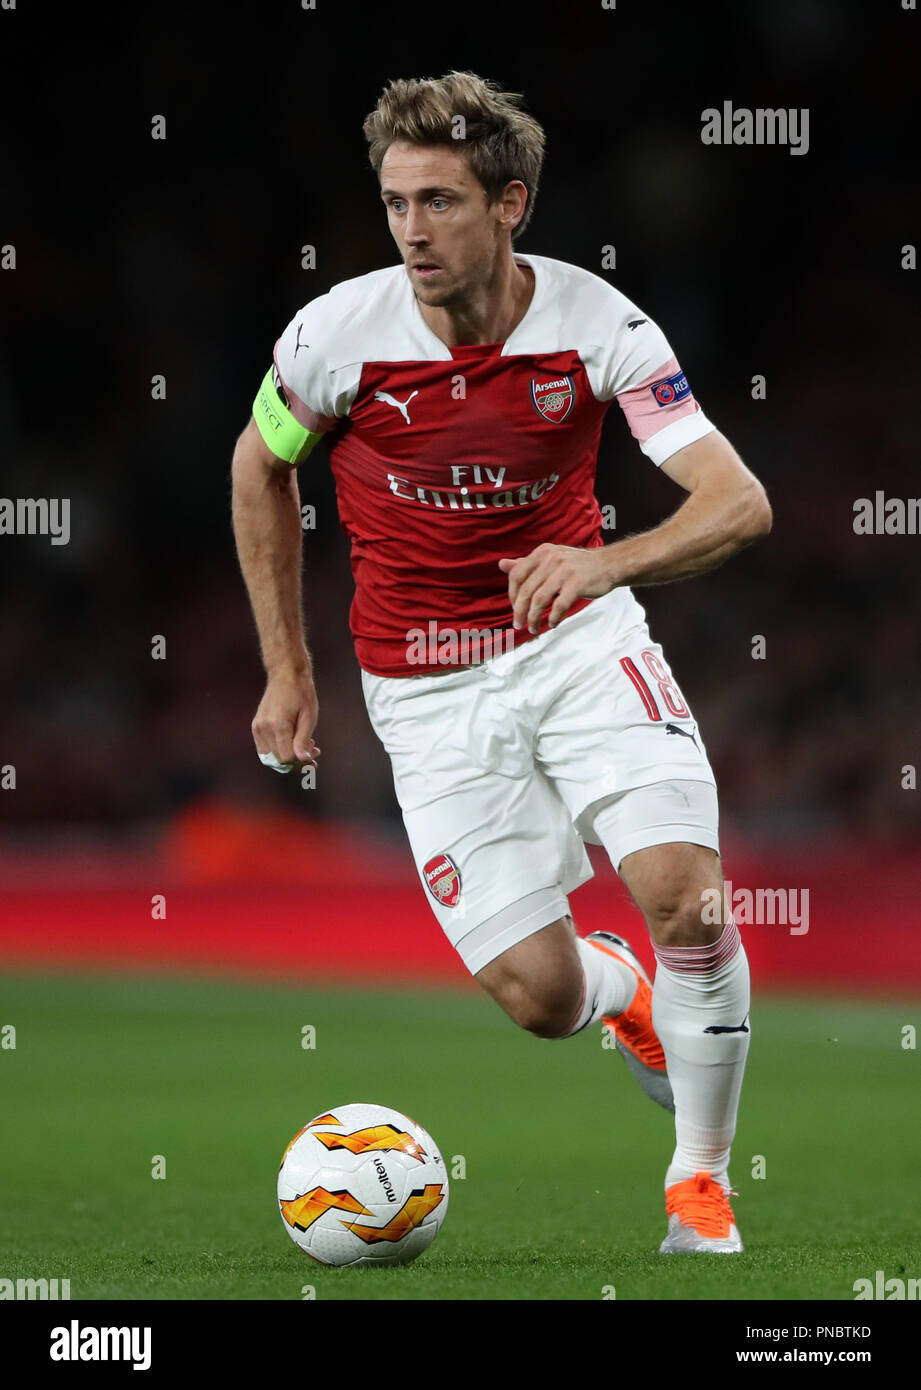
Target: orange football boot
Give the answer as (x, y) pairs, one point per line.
(634, 1036)
(700, 1219)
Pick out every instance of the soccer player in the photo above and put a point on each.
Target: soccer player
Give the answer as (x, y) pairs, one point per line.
(506, 665)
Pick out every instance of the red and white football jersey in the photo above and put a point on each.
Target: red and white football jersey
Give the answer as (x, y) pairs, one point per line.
(448, 459)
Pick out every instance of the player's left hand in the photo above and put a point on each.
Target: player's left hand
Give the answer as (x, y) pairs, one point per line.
(554, 575)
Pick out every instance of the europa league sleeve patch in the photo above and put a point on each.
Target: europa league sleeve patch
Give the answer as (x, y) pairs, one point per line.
(443, 880)
(673, 388)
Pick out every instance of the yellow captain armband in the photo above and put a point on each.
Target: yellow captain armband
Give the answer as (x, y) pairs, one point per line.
(284, 435)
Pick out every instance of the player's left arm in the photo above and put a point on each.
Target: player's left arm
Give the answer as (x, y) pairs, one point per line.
(726, 509)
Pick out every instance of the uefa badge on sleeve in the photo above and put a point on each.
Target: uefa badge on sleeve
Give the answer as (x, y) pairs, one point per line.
(672, 389)
(442, 879)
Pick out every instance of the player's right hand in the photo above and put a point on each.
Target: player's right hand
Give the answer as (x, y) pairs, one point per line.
(285, 720)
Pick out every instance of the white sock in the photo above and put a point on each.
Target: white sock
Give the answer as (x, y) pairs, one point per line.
(610, 985)
(696, 988)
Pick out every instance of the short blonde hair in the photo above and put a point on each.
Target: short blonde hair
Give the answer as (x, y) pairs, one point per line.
(501, 142)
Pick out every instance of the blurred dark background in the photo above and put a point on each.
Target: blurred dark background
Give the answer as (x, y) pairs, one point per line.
(136, 257)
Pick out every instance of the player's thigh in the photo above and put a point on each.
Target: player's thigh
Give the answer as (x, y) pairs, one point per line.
(618, 720)
(494, 846)
(542, 972)
(663, 840)
(678, 887)
(497, 863)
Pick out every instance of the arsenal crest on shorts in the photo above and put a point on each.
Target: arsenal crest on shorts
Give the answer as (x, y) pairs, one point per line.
(443, 880)
(553, 397)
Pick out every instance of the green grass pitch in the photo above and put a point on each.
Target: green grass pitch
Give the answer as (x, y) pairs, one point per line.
(564, 1156)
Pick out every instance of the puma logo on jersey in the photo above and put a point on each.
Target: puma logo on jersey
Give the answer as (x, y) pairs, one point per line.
(673, 729)
(635, 323)
(386, 397)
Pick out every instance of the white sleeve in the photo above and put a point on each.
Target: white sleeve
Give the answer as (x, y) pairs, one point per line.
(637, 367)
(318, 394)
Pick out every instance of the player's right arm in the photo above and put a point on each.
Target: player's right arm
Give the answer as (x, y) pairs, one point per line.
(303, 395)
(267, 531)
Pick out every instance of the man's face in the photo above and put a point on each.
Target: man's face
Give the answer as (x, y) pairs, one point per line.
(438, 214)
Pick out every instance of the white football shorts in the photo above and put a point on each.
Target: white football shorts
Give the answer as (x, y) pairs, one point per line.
(503, 770)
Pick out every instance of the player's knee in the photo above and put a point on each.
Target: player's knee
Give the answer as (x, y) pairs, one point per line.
(539, 981)
(545, 1009)
(683, 918)
(547, 1018)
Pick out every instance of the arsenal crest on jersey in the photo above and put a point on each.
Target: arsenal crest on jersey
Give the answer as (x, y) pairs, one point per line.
(553, 397)
(443, 880)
